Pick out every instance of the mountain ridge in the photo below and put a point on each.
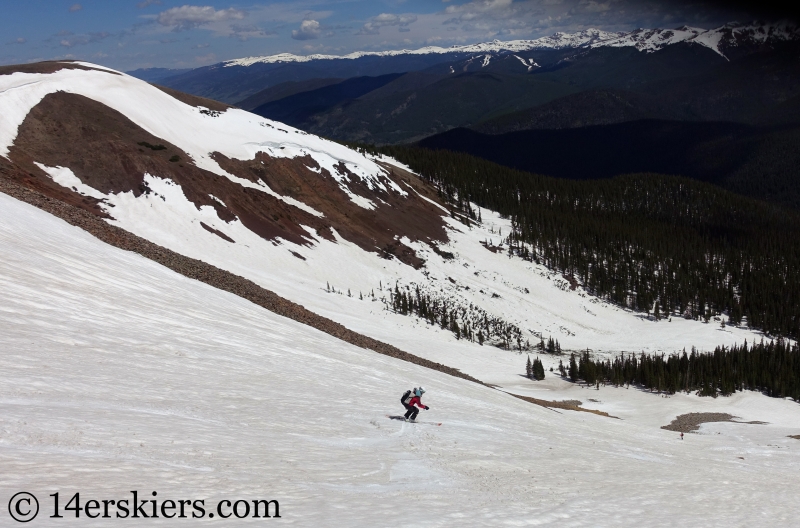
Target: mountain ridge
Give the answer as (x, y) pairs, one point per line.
(719, 39)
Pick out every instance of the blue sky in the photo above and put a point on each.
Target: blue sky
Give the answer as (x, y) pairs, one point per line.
(129, 34)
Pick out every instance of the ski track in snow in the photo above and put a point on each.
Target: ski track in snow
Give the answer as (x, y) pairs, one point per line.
(117, 374)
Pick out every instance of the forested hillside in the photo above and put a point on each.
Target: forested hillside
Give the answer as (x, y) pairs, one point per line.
(664, 245)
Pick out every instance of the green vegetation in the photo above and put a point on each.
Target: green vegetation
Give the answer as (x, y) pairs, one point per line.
(534, 369)
(151, 146)
(468, 322)
(664, 245)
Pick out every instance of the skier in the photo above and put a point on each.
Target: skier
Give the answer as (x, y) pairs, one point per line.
(681, 436)
(409, 400)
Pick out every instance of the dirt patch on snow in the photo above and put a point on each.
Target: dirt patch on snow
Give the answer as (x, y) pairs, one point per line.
(569, 405)
(796, 437)
(688, 423)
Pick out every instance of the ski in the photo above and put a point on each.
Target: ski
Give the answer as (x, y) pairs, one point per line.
(402, 419)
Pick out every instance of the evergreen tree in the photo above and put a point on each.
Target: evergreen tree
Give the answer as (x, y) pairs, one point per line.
(573, 368)
(538, 369)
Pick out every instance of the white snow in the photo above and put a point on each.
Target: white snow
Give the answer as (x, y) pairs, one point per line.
(117, 374)
(66, 178)
(717, 39)
(652, 39)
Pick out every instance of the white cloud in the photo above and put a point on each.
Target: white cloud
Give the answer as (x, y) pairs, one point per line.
(81, 40)
(374, 24)
(206, 59)
(309, 29)
(145, 3)
(190, 17)
(75, 7)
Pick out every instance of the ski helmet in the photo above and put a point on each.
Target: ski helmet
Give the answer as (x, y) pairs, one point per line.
(420, 391)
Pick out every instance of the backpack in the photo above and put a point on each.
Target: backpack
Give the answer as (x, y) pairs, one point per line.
(407, 395)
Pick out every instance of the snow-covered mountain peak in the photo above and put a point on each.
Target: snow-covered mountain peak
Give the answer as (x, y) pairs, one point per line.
(647, 40)
(556, 41)
(721, 39)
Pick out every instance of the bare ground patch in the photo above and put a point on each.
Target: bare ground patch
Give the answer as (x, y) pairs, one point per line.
(688, 423)
(569, 405)
(796, 437)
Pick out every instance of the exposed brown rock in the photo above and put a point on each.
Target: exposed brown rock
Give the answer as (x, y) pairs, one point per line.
(569, 405)
(688, 423)
(372, 230)
(220, 234)
(110, 153)
(47, 67)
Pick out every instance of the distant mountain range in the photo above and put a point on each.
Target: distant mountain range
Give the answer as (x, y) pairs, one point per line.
(724, 39)
(235, 80)
(520, 99)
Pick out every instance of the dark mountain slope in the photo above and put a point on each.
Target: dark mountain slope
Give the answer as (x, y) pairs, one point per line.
(592, 107)
(286, 89)
(758, 89)
(392, 115)
(595, 152)
(297, 109)
(154, 75)
(236, 83)
(755, 161)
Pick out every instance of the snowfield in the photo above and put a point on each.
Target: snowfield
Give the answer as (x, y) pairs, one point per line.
(117, 374)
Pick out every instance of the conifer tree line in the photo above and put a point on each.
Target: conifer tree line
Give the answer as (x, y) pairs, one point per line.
(659, 244)
(772, 368)
(465, 322)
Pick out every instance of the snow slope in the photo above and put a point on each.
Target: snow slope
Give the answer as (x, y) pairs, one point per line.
(527, 295)
(234, 133)
(117, 374)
